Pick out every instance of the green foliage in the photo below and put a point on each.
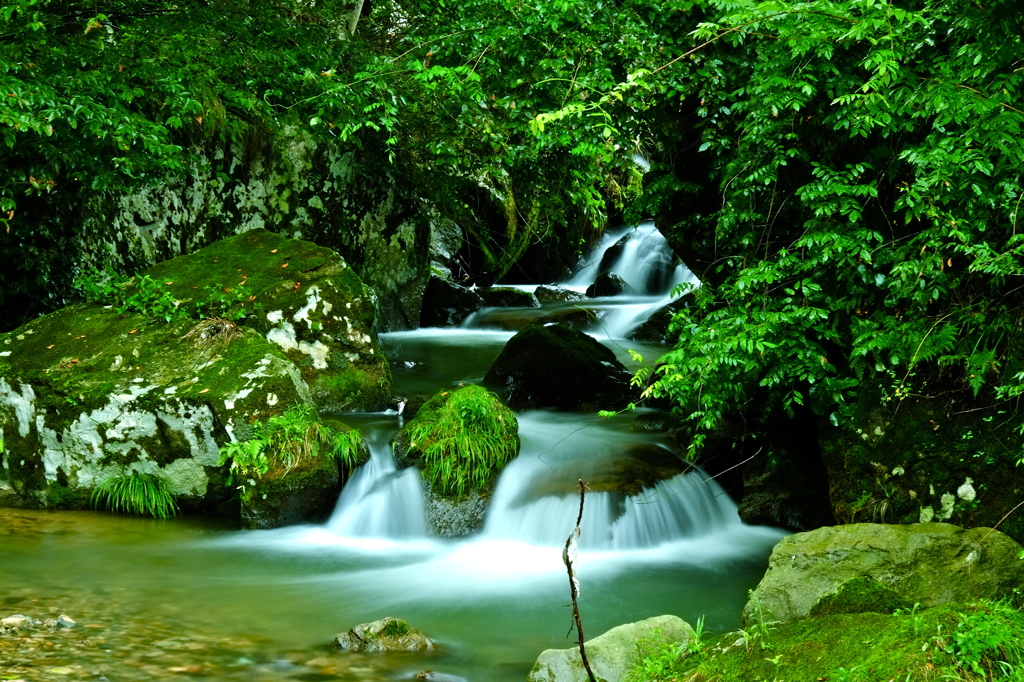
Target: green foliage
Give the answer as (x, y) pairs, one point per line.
(657, 660)
(851, 207)
(968, 643)
(137, 494)
(285, 441)
(464, 437)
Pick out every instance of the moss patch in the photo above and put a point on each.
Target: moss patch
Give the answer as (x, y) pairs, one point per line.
(860, 595)
(461, 438)
(961, 642)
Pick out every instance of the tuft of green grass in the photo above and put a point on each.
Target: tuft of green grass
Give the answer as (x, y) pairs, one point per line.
(464, 437)
(284, 441)
(136, 494)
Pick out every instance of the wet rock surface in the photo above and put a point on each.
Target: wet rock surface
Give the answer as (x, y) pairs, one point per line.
(555, 366)
(446, 304)
(381, 636)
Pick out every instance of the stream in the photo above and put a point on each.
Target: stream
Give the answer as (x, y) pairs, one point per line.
(189, 596)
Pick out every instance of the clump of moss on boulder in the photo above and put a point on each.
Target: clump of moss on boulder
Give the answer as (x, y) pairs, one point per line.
(461, 438)
(290, 469)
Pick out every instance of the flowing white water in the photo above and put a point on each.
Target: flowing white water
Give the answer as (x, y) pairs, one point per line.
(379, 501)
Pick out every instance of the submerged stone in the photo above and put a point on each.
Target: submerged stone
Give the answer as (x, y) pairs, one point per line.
(382, 636)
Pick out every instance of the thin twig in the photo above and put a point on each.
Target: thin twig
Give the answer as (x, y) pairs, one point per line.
(568, 554)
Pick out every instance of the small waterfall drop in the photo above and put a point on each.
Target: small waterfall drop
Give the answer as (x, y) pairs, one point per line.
(379, 501)
(537, 497)
(643, 259)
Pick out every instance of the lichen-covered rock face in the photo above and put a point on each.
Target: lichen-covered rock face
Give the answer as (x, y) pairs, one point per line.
(611, 655)
(346, 199)
(928, 563)
(86, 393)
(554, 366)
(382, 636)
(309, 303)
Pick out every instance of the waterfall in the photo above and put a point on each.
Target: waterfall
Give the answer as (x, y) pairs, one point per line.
(537, 498)
(379, 501)
(643, 259)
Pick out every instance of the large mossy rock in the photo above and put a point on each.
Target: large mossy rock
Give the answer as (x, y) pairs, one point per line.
(555, 366)
(928, 563)
(86, 393)
(611, 655)
(309, 303)
(302, 491)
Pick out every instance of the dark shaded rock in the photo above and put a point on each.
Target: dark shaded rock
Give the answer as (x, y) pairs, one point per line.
(608, 284)
(612, 255)
(381, 636)
(555, 366)
(507, 297)
(654, 421)
(556, 294)
(655, 329)
(447, 305)
(305, 493)
(926, 563)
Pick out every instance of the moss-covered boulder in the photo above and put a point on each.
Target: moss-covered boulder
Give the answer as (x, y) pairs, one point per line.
(86, 394)
(928, 563)
(292, 468)
(862, 594)
(555, 366)
(460, 439)
(307, 301)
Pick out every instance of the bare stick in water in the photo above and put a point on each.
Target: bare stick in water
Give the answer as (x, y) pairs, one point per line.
(568, 558)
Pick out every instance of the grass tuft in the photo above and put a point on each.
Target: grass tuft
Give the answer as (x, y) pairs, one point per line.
(463, 437)
(136, 494)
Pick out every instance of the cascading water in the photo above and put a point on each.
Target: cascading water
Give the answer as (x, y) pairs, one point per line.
(378, 500)
(643, 259)
(652, 543)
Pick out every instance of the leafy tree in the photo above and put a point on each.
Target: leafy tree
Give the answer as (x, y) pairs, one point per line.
(845, 180)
